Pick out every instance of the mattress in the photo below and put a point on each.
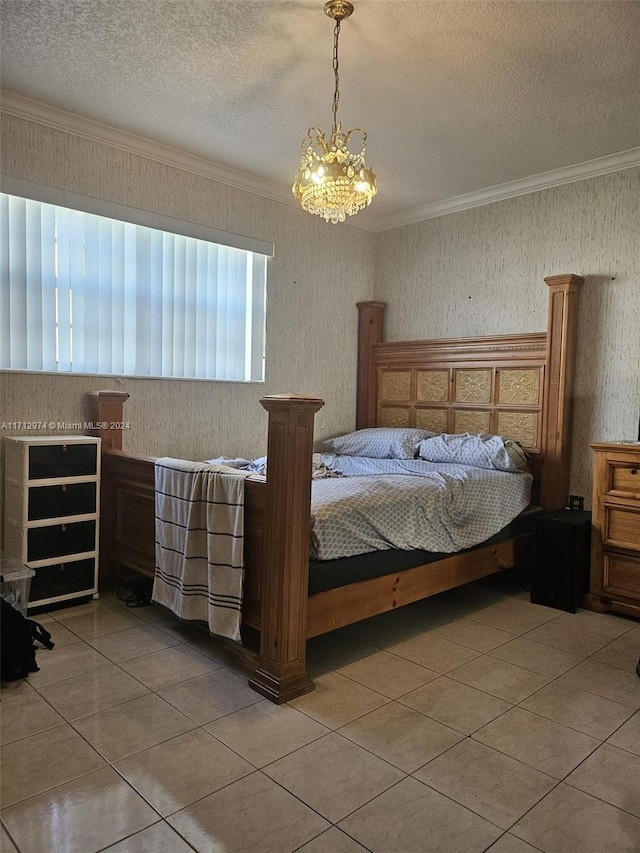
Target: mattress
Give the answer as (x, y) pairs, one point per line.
(382, 504)
(330, 574)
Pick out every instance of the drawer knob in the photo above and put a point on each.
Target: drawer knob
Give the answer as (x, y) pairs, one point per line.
(634, 470)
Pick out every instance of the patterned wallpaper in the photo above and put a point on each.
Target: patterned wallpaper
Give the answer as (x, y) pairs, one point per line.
(482, 272)
(319, 272)
(317, 275)
(476, 272)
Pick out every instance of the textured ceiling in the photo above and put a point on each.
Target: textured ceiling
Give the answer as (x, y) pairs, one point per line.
(456, 96)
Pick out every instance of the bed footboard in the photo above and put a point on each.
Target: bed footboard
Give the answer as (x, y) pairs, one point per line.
(277, 523)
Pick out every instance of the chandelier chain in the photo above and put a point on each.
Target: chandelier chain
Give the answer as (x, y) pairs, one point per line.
(336, 94)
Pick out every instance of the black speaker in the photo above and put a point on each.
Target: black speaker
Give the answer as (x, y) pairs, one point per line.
(562, 559)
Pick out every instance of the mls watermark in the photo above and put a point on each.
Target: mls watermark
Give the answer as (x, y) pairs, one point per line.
(64, 426)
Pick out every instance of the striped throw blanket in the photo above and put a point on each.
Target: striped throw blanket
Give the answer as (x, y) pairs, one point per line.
(199, 512)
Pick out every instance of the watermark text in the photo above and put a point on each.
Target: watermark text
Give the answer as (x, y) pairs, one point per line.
(66, 426)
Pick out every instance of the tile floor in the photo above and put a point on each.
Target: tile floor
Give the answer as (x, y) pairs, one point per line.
(473, 721)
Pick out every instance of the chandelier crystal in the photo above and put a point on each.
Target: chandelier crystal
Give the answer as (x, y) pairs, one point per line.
(333, 182)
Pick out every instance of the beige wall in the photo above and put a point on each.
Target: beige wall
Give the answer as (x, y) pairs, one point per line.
(476, 272)
(318, 274)
(482, 272)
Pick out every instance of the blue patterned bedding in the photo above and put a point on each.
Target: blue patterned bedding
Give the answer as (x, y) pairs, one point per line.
(409, 503)
(359, 504)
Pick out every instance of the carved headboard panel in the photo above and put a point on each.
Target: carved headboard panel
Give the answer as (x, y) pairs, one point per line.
(518, 386)
(465, 385)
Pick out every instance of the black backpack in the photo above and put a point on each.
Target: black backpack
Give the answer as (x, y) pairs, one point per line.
(18, 653)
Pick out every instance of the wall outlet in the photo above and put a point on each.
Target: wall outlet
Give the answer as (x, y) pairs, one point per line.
(576, 502)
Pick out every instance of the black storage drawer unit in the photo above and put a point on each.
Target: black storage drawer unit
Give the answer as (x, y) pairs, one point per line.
(47, 461)
(52, 513)
(62, 500)
(57, 540)
(61, 579)
(562, 558)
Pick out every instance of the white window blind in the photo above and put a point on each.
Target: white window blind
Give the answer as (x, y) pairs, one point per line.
(84, 293)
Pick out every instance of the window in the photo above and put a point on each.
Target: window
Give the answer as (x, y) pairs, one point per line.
(86, 293)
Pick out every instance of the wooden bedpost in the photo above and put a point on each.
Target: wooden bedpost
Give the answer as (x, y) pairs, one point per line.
(558, 382)
(370, 316)
(281, 674)
(105, 413)
(106, 418)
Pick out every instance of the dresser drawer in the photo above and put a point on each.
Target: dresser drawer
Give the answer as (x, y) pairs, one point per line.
(621, 575)
(48, 461)
(57, 540)
(61, 579)
(622, 527)
(626, 479)
(62, 500)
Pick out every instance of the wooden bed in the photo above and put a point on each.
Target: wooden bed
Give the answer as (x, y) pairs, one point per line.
(513, 385)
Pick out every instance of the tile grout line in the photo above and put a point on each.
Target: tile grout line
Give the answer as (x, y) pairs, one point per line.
(387, 701)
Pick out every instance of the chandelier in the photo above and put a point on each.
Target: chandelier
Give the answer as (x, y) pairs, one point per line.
(333, 182)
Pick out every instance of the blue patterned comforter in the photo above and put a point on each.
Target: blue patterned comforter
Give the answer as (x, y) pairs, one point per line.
(393, 503)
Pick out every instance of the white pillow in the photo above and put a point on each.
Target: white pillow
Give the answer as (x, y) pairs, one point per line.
(379, 442)
(480, 451)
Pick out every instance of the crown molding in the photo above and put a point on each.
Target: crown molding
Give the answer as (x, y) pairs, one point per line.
(96, 131)
(500, 192)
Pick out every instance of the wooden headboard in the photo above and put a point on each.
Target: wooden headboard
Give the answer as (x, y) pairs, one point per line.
(519, 386)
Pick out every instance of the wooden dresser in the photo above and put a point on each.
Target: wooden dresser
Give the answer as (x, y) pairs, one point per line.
(615, 541)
